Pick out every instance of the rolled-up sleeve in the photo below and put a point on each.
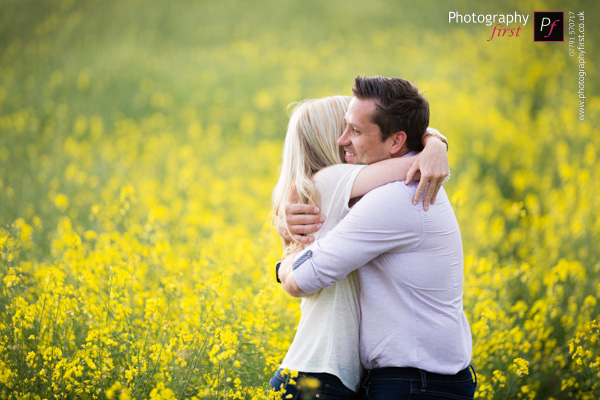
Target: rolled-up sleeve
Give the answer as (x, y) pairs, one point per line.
(306, 274)
(383, 220)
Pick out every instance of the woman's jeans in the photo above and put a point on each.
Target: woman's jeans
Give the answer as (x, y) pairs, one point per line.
(322, 386)
(416, 384)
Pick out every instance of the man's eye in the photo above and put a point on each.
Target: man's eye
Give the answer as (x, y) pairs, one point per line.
(355, 130)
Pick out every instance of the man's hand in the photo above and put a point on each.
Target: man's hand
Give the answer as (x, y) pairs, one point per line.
(302, 220)
(288, 281)
(432, 162)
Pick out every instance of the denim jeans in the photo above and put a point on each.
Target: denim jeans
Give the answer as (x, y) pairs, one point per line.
(416, 384)
(329, 387)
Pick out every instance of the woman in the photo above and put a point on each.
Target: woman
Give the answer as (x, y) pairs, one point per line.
(326, 343)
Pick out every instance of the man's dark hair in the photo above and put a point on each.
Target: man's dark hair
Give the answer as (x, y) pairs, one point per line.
(400, 107)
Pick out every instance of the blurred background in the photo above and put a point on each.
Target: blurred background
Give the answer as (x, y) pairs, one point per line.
(140, 142)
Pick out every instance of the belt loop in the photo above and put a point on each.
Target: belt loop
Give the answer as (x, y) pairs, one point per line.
(474, 374)
(423, 381)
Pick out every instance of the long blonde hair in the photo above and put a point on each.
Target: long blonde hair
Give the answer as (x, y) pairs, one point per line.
(310, 145)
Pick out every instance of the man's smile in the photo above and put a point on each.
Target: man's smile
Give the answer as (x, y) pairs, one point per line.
(349, 156)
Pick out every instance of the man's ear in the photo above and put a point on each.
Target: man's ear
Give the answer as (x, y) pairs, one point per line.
(397, 142)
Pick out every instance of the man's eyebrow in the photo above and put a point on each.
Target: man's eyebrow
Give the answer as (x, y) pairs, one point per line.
(349, 123)
(356, 126)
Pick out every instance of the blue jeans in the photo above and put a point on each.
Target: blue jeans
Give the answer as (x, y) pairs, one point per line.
(416, 384)
(329, 387)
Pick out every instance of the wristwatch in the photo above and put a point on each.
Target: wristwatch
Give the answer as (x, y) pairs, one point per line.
(277, 265)
(436, 134)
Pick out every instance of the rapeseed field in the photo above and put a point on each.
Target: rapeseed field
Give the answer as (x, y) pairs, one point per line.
(140, 142)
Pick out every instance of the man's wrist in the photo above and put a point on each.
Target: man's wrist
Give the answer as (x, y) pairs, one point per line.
(277, 265)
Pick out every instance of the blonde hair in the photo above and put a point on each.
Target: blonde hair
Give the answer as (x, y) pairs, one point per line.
(310, 145)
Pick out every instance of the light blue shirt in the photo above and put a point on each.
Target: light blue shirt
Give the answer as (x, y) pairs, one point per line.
(410, 265)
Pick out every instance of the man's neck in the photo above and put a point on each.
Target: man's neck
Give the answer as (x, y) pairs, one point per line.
(403, 152)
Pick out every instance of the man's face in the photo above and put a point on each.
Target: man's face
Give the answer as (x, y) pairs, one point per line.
(361, 139)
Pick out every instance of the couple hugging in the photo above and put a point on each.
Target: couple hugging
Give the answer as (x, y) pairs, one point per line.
(381, 275)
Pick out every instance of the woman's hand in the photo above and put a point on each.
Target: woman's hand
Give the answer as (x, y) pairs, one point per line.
(432, 163)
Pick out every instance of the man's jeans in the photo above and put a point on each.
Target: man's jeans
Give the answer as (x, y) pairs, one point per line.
(330, 387)
(416, 384)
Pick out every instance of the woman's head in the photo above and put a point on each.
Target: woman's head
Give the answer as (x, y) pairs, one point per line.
(310, 145)
(314, 128)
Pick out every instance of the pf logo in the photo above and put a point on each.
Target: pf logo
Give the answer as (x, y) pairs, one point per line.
(549, 26)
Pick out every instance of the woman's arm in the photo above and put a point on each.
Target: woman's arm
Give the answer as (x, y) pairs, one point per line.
(378, 174)
(432, 163)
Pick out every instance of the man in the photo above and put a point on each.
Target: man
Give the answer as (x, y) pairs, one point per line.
(414, 335)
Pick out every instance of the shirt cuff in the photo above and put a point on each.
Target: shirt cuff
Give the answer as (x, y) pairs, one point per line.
(304, 273)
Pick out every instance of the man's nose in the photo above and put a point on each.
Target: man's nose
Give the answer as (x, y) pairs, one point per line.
(343, 140)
